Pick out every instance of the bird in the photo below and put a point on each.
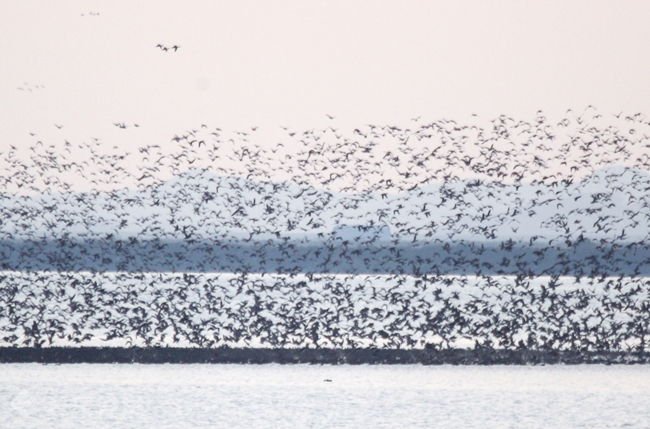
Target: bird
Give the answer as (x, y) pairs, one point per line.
(166, 49)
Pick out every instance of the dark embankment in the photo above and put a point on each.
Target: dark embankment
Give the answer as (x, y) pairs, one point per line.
(57, 355)
(584, 258)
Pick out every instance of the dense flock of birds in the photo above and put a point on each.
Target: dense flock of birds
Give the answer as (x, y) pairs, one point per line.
(367, 159)
(202, 222)
(511, 184)
(611, 205)
(344, 311)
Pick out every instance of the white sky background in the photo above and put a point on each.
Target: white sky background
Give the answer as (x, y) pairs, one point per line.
(260, 63)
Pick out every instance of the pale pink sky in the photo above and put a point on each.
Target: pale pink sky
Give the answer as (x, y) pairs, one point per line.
(244, 63)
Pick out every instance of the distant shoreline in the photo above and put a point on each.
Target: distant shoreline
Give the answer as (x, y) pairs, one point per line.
(581, 259)
(101, 355)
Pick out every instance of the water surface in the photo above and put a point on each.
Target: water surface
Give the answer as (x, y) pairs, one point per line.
(277, 396)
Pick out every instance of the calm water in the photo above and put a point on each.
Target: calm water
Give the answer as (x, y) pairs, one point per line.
(275, 396)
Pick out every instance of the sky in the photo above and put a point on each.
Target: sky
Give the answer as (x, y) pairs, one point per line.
(73, 69)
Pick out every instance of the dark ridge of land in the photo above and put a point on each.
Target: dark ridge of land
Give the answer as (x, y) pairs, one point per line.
(581, 259)
(483, 356)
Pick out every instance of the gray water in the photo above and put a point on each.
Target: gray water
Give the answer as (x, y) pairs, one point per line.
(297, 396)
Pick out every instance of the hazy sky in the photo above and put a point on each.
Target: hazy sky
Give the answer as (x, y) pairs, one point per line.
(244, 63)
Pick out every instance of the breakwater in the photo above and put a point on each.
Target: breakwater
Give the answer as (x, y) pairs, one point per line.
(71, 355)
